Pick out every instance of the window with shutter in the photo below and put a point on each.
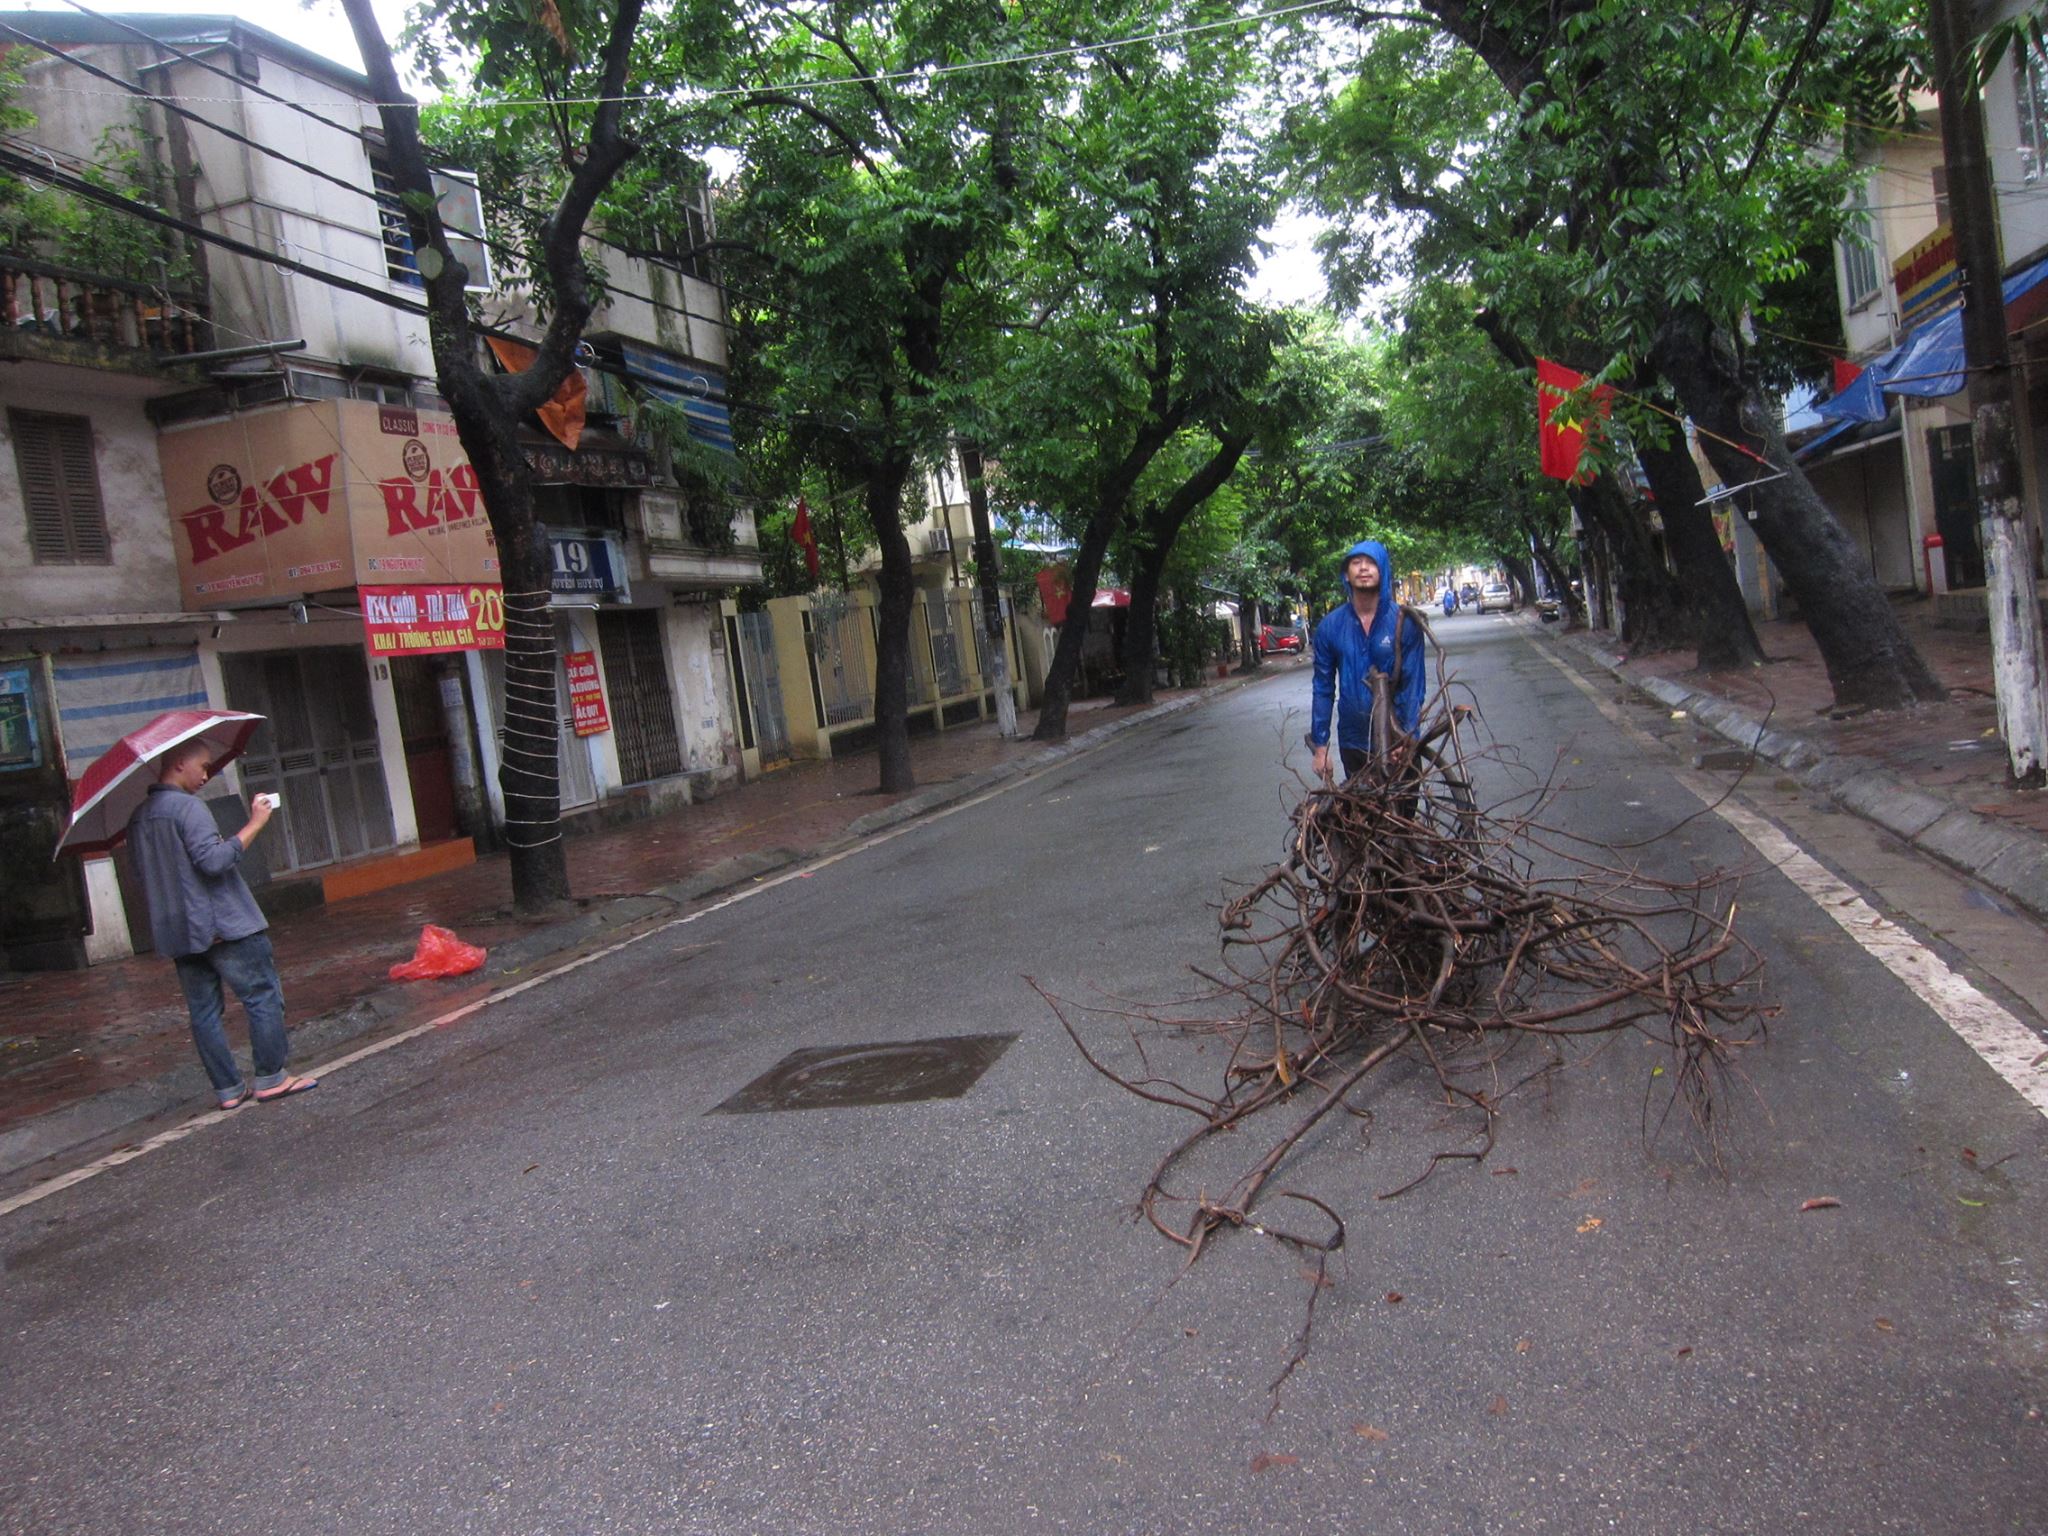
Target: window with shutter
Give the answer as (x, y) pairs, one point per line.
(60, 489)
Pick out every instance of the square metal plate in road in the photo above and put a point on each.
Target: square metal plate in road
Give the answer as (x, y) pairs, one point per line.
(856, 1076)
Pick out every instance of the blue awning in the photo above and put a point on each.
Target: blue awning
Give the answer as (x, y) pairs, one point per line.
(1927, 364)
(699, 391)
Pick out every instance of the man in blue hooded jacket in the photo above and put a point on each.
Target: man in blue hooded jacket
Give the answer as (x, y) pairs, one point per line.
(1354, 640)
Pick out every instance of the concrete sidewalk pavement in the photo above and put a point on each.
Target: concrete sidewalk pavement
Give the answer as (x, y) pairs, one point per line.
(1935, 776)
(86, 1054)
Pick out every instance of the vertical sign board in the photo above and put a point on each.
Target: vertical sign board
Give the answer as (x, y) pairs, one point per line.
(587, 713)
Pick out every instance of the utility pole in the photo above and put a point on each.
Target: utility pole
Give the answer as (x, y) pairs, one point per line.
(994, 642)
(2009, 591)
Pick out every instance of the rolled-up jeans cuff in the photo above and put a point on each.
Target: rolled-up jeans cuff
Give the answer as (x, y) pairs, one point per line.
(273, 1080)
(229, 1096)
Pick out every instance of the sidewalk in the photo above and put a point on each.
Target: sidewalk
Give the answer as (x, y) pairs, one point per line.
(86, 1053)
(1935, 776)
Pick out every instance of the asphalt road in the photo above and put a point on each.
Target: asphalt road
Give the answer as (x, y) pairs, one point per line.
(517, 1277)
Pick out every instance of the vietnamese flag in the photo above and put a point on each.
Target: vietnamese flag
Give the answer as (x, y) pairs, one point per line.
(1561, 442)
(803, 538)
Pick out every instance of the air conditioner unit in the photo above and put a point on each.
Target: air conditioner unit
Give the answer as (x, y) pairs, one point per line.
(938, 541)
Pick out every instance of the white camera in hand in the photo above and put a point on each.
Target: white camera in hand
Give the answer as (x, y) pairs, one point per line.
(270, 802)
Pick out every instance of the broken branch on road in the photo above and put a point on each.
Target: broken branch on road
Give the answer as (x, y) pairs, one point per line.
(1405, 925)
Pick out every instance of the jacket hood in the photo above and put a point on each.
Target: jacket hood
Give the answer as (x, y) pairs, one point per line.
(1377, 553)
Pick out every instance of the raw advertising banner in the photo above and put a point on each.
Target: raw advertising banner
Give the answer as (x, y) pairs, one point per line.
(587, 713)
(422, 621)
(324, 494)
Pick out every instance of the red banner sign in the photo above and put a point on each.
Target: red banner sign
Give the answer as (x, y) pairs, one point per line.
(421, 621)
(587, 714)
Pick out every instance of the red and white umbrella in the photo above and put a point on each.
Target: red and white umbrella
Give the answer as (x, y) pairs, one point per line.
(119, 778)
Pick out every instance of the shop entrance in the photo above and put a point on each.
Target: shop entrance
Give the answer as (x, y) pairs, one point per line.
(636, 679)
(416, 683)
(317, 748)
(1954, 460)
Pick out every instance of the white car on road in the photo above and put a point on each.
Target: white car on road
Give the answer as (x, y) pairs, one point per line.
(1496, 597)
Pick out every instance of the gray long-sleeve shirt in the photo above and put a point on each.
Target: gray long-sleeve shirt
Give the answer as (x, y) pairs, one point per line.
(190, 874)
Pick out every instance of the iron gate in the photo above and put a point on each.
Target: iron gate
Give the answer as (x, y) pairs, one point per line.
(636, 681)
(941, 621)
(760, 685)
(839, 663)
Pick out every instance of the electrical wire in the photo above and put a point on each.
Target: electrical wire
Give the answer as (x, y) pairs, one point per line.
(921, 75)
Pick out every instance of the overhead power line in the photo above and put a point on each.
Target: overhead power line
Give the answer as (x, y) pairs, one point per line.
(922, 74)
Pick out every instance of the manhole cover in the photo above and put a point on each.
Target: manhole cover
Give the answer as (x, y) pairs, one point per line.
(851, 1076)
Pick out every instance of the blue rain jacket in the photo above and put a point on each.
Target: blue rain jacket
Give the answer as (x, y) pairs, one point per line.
(1345, 653)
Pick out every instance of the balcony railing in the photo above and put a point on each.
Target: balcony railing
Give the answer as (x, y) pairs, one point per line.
(41, 298)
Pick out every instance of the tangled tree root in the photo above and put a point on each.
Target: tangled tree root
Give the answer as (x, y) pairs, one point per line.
(1404, 924)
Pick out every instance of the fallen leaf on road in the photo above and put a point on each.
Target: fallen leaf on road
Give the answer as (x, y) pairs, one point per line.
(1591, 1224)
(1819, 1203)
(1586, 1186)
(1970, 1152)
(1884, 1325)
(1370, 1432)
(529, 1168)
(1394, 1298)
(1267, 1459)
(1505, 1173)
(1497, 1406)
(1974, 1204)
(1521, 1346)
(1686, 1350)
(1656, 1071)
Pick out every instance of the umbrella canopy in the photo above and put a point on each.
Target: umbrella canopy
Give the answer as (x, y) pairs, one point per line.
(119, 778)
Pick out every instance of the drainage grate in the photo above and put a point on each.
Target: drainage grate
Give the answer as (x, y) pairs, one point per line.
(854, 1076)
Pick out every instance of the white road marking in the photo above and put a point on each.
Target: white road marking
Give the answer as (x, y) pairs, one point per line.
(212, 1119)
(2003, 1043)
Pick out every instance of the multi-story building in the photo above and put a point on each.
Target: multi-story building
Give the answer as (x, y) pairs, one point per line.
(1896, 464)
(234, 483)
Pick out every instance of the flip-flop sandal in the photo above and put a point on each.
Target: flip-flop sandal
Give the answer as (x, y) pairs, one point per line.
(296, 1085)
(237, 1101)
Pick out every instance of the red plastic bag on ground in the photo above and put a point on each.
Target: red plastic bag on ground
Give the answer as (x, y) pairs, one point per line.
(440, 953)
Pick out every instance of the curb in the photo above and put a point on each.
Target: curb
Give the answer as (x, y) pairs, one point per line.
(113, 1110)
(2009, 860)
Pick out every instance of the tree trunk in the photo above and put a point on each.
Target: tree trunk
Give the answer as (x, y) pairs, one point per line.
(1066, 654)
(885, 478)
(1141, 626)
(1248, 633)
(1720, 617)
(1160, 530)
(988, 574)
(2010, 597)
(1653, 613)
(1870, 660)
(529, 760)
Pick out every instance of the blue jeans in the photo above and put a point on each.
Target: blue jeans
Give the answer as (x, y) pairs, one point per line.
(247, 966)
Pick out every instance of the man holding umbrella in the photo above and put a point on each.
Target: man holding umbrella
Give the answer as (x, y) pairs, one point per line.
(202, 915)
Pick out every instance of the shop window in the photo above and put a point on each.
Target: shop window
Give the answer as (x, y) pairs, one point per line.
(459, 202)
(2030, 95)
(1859, 251)
(60, 489)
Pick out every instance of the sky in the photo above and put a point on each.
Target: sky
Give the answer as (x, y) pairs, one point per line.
(1288, 274)
(315, 24)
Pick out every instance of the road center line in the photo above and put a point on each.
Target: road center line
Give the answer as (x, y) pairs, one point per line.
(2004, 1044)
(214, 1119)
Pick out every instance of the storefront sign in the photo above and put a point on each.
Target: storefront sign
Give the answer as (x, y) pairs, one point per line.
(553, 464)
(587, 714)
(587, 565)
(421, 621)
(1925, 277)
(20, 745)
(277, 504)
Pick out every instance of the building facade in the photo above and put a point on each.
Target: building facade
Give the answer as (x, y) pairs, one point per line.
(234, 484)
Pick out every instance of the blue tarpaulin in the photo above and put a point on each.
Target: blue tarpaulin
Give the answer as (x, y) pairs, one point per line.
(1928, 363)
(699, 391)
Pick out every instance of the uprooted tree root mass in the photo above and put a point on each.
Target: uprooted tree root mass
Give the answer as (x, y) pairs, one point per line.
(1406, 924)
